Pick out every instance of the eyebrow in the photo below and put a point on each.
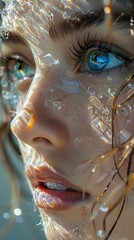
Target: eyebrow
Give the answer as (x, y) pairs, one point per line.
(77, 22)
(83, 20)
(14, 37)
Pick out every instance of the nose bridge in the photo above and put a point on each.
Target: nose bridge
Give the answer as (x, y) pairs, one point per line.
(45, 80)
(35, 122)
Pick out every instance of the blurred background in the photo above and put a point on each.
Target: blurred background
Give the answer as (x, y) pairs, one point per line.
(25, 223)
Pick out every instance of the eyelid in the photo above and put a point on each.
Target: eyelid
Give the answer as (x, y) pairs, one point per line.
(18, 56)
(22, 58)
(79, 51)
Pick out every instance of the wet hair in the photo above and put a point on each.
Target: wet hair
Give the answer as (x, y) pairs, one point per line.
(126, 150)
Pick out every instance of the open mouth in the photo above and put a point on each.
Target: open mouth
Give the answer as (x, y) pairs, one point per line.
(53, 192)
(55, 196)
(55, 186)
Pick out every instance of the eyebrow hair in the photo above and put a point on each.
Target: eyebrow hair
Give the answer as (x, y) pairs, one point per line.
(77, 22)
(82, 20)
(14, 37)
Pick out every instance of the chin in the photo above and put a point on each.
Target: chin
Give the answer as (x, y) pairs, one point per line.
(60, 228)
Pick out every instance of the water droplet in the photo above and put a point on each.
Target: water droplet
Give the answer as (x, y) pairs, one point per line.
(132, 21)
(53, 104)
(101, 234)
(91, 90)
(124, 110)
(109, 78)
(107, 111)
(76, 232)
(130, 85)
(65, 15)
(49, 60)
(100, 96)
(112, 91)
(94, 169)
(103, 207)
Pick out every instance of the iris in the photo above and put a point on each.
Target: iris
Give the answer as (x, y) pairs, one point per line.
(22, 69)
(99, 60)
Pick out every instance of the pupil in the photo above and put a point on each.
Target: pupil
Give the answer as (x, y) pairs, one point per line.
(20, 70)
(97, 60)
(20, 67)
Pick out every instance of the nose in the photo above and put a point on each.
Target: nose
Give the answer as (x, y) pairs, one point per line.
(37, 124)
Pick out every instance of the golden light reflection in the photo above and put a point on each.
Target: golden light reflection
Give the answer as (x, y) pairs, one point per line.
(130, 184)
(31, 121)
(107, 10)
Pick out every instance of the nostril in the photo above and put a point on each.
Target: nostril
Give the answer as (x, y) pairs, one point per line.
(42, 140)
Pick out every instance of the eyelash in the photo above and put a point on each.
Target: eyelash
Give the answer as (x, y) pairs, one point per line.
(16, 77)
(8, 59)
(78, 53)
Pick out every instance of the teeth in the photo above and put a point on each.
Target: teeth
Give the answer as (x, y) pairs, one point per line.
(57, 186)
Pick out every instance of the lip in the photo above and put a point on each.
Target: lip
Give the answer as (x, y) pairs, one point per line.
(53, 199)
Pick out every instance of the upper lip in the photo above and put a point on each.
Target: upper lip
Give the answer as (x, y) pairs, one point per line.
(45, 174)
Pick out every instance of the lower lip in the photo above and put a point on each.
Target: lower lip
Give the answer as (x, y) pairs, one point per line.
(57, 200)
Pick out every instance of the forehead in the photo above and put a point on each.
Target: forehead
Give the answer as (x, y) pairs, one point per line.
(33, 20)
(40, 12)
(44, 10)
(56, 5)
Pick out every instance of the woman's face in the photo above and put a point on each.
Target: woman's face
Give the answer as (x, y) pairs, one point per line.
(67, 73)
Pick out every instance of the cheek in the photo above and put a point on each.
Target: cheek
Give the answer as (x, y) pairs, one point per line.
(69, 104)
(123, 122)
(105, 93)
(84, 114)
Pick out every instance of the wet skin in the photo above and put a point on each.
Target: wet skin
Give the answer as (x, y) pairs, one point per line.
(67, 127)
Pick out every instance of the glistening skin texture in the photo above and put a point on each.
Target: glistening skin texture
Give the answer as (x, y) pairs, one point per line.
(61, 127)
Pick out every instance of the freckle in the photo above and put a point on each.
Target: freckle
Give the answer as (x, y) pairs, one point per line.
(31, 121)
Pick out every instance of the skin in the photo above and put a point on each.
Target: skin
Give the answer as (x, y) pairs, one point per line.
(63, 130)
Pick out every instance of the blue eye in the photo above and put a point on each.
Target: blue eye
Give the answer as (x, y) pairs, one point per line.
(22, 69)
(100, 60)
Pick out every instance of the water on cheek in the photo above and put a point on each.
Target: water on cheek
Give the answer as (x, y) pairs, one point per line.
(76, 103)
(124, 122)
(99, 107)
(99, 122)
(101, 99)
(109, 103)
